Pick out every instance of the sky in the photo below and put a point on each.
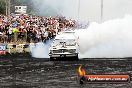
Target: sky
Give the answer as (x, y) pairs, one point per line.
(89, 9)
(111, 9)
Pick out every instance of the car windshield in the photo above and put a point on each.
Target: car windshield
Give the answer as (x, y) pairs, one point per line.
(68, 42)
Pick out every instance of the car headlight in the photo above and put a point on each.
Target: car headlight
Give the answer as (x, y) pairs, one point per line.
(72, 50)
(51, 51)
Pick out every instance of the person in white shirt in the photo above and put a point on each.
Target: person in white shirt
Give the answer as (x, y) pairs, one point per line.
(10, 33)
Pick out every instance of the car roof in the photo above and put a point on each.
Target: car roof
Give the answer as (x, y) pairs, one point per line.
(66, 35)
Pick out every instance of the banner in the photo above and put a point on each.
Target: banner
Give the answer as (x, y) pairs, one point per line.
(19, 48)
(2, 49)
(13, 48)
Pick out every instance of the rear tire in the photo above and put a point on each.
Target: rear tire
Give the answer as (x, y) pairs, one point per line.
(76, 57)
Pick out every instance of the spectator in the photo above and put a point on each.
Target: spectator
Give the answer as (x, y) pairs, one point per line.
(31, 28)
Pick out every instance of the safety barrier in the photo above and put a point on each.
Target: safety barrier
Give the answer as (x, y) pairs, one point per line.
(2, 49)
(14, 48)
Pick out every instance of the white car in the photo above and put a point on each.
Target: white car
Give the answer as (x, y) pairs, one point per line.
(64, 46)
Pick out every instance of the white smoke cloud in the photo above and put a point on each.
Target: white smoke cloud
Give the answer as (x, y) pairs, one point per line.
(111, 39)
(40, 50)
(88, 10)
(66, 8)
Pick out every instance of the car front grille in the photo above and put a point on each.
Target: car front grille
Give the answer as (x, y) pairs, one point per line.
(64, 51)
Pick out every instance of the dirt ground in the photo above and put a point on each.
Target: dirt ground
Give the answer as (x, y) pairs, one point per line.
(60, 74)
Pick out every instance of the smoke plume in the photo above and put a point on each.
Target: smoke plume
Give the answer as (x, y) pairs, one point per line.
(66, 8)
(111, 39)
(40, 50)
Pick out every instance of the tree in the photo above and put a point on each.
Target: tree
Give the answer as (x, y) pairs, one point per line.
(2, 6)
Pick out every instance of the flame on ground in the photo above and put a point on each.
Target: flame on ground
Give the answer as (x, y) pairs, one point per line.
(81, 71)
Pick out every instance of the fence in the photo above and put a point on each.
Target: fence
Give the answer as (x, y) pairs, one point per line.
(13, 48)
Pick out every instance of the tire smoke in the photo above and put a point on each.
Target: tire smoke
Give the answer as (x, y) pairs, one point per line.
(111, 39)
(40, 50)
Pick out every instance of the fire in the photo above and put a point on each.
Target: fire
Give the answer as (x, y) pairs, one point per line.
(81, 71)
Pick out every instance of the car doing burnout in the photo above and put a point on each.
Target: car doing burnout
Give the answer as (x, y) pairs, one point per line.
(64, 46)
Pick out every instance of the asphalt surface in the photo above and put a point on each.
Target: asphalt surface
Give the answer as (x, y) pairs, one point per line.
(60, 74)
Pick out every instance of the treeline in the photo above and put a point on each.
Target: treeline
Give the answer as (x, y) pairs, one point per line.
(2, 7)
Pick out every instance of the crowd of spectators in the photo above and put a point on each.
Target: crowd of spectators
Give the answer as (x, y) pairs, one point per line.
(27, 28)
